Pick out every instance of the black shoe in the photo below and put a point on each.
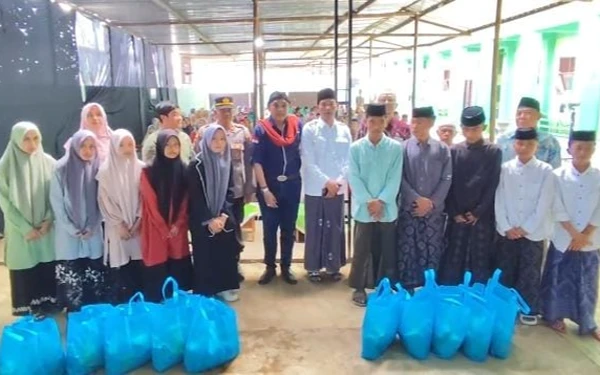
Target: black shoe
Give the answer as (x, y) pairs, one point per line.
(288, 276)
(267, 276)
(241, 276)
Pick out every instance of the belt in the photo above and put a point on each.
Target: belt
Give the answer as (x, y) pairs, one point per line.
(285, 178)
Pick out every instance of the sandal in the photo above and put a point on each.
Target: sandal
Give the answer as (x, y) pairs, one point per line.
(359, 298)
(528, 320)
(315, 277)
(559, 326)
(336, 276)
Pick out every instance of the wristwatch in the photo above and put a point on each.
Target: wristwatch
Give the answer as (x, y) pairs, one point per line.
(264, 189)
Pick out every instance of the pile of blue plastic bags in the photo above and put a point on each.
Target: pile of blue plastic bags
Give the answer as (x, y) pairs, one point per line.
(477, 319)
(200, 332)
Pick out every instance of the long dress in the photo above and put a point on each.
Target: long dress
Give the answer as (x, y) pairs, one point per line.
(475, 175)
(163, 255)
(427, 173)
(24, 199)
(215, 256)
(80, 272)
(119, 199)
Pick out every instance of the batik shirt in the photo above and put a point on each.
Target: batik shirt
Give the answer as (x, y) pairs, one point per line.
(548, 148)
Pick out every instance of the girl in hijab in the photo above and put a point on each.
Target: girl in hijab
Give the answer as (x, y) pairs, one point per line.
(74, 197)
(25, 175)
(93, 118)
(164, 228)
(119, 199)
(216, 235)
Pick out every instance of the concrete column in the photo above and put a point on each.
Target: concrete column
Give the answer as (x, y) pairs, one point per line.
(587, 73)
(528, 73)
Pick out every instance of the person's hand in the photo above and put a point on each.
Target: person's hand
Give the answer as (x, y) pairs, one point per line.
(270, 199)
(215, 225)
(33, 235)
(460, 219)
(375, 208)
(135, 228)
(471, 219)
(86, 234)
(124, 232)
(579, 241)
(45, 228)
(521, 232)
(513, 234)
(174, 231)
(423, 206)
(332, 189)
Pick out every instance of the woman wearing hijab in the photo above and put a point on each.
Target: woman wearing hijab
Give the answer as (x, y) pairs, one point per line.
(164, 228)
(119, 199)
(25, 175)
(74, 197)
(215, 233)
(93, 118)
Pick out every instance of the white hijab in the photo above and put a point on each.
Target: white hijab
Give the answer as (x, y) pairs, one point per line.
(120, 178)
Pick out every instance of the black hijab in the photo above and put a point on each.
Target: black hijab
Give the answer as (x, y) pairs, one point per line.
(167, 178)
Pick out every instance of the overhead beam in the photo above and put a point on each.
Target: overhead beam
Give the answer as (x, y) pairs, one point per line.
(492, 24)
(342, 19)
(444, 26)
(405, 9)
(219, 21)
(183, 18)
(312, 36)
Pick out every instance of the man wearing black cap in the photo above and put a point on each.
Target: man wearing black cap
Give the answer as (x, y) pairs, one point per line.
(528, 115)
(570, 280)
(276, 160)
(426, 179)
(325, 157)
(470, 230)
(375, 175)
(523, 208)
(170, 117)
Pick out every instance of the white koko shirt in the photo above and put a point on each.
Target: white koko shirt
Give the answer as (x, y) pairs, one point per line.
(524, 198)
(577, 200)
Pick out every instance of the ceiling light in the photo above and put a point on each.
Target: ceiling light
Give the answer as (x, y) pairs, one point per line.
(259, 42)
(65, 7)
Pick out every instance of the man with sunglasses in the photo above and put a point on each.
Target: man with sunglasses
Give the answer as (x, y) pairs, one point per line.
(277, 162)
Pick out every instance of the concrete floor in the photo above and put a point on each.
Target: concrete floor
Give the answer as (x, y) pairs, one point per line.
(314, 329)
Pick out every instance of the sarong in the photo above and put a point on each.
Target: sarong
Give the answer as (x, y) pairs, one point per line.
(325, 243)
(421, 245)
(570, 287)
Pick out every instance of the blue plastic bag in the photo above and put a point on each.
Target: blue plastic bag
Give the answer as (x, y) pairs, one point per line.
(171, 322)
(380, 322)
(85, 339)
(214, 339)
(480, 328)
(31, 346)
(507, 303)
(128, 337)
(451, 318)
(418, 318)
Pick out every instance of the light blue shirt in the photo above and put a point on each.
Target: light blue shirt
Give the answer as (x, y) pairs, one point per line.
(68, 245)
(325, 155)
(375, 173)
(548, 149)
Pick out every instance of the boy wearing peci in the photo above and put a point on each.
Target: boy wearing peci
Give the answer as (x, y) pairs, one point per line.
(375, 175)
(523, 205)
(570, 281)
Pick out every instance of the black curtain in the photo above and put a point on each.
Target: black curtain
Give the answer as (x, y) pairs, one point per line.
(39, 70)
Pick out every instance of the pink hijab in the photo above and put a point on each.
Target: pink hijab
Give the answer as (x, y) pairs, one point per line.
(103, 136)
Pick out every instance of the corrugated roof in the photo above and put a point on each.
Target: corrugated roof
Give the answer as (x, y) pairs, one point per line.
(297, 27)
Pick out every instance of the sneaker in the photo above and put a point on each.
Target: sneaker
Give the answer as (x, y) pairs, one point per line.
(230, 295)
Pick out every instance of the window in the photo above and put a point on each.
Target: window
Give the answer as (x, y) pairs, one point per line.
(566, 71)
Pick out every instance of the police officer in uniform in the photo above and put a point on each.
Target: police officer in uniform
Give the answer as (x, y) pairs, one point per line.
(276, 160)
